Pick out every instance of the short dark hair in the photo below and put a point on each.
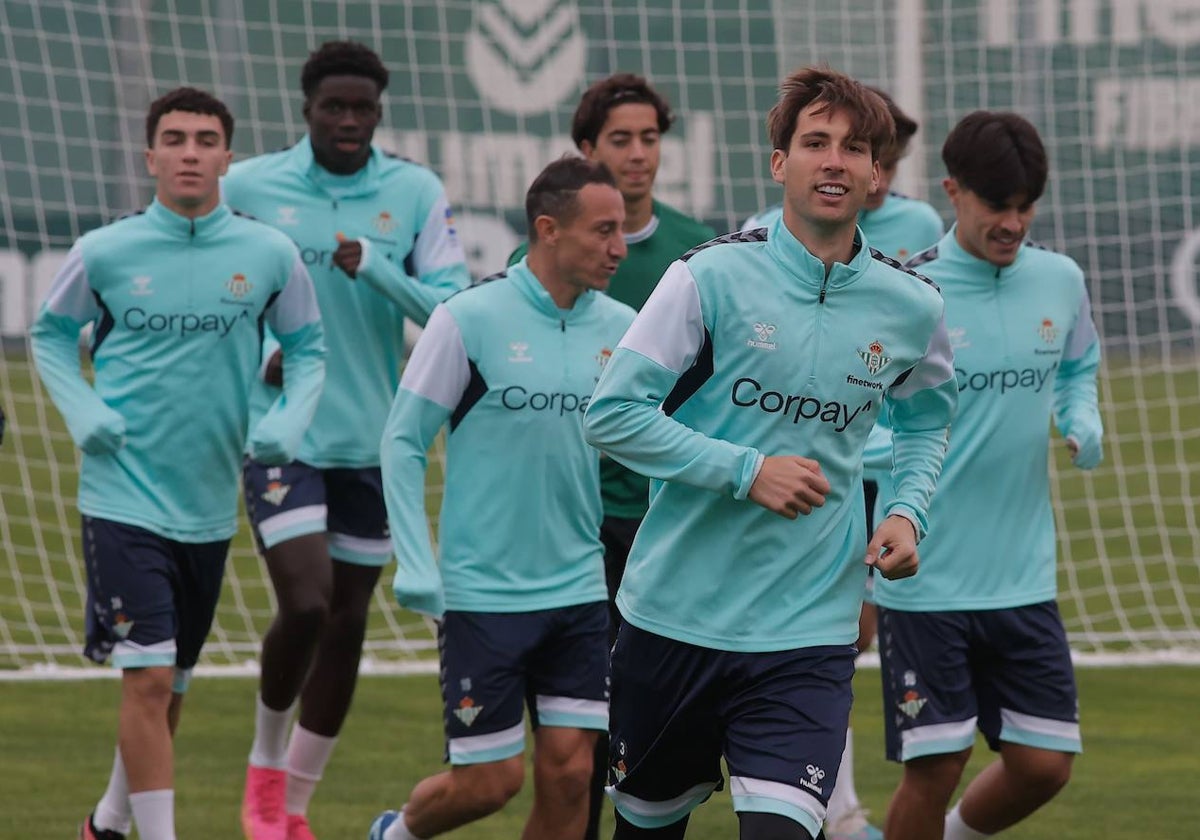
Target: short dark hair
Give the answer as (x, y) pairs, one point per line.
(342, 58)
(997, 155)
(193, 101)
(906, 126)
(619, 89)
(833, 91)
(555, 191)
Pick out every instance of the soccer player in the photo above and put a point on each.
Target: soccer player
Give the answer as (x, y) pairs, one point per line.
(976, 640)
(620, 121)
(520, 579)
(378, 236)
(898, 226)
(176, 295)
(746, 387)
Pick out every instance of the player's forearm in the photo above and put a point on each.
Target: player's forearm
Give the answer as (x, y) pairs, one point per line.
(55, 341)
(303, 375)
(408, 435)
(415, 297)
(917, 464)
(877, 457)
(624, 420)
(1076, 399)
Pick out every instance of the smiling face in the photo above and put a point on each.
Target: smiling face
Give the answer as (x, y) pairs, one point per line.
(187, 160)
(987, 230)
(342, 114)
(827, 172)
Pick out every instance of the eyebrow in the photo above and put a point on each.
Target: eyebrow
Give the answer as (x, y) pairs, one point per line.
(178, 132)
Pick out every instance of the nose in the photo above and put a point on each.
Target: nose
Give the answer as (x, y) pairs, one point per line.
(833, 158)
(617, 247)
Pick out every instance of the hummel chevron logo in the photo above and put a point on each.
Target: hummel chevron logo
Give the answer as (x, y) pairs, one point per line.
(525, 56)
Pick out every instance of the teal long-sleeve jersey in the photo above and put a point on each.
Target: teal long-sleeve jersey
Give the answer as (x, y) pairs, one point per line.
(900, 227)
(1025, 353)
(748, 348)
(178, 307)
(412, 260)
(520, 518)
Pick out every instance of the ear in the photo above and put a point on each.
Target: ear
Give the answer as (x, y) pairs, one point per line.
(547, 229)
(874, 176)
(778, 159)
(306, 110)
(952, 190)
(150, 162)
(225, 163)
(587, 148)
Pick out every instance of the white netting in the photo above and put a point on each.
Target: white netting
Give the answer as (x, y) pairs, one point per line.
(483, 91)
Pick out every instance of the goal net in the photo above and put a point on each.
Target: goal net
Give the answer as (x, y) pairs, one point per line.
(483, 91)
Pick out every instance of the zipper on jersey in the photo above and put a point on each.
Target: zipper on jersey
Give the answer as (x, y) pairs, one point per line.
(1000, 312)
(818, 328)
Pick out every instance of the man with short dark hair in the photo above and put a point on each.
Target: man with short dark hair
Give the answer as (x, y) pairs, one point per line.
(378, 236)
(899, 226)
(746, 388)
(976, 641)
(620, 121)
(519, 580)
(176, 296)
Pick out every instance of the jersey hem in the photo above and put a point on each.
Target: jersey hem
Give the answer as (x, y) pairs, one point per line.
(505, 603)
(966, 604)
(754, 645)
(200, 535)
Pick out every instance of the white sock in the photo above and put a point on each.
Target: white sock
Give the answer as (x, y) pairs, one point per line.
(956, 829)
(270, 735)
(399, 830)
(307, 756)
(154, 814)
(112, 811)
(844, 799)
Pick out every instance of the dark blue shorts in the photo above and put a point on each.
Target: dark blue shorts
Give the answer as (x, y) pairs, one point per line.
(151, 600)
(1007, 672)
(494, 663)
(298, 499)
(779, 719)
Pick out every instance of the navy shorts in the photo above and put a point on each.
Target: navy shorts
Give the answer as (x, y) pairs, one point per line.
(779, 719)
(494, 663)
(151, 600)
(1007, 672)
(298, 499)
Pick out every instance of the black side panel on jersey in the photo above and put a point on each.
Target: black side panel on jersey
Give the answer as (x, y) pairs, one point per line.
(756, 235)
(105, 324)
(928, 255)
(410, 264)
(476, 388)
(691, 380)
(899, 266)
(262, 320)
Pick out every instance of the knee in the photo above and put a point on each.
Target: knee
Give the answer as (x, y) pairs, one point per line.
(570, 777)
(1046, 772)
(148, 688)
(307, 613)
(496, 785)
(935, 776)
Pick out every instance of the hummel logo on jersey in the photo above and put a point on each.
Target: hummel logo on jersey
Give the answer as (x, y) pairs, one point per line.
(239, 286)
(873, 358)
(287, 217)
(384, 223)
(276, 492)
(815, 775)
(519, 350)
(764, 332)
(141, 286)
(467, 711)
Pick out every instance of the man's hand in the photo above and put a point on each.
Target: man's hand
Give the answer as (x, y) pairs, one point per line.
(898, 536)
(273, 372)
(789, 485)
(348, 256)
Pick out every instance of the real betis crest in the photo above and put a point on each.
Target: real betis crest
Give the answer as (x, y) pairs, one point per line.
(873, 358)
